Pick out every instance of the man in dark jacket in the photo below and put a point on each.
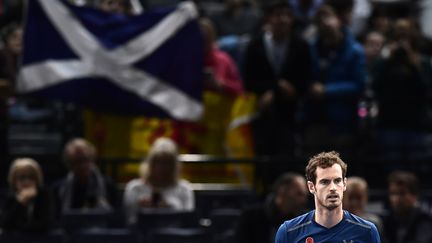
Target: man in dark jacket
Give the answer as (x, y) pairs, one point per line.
(276, 68)
(84, 187)
(407, 222)
(288, 200)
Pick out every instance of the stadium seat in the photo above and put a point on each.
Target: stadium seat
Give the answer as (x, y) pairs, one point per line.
(223, 223)
(180, 235)
(73, 220)
(150, 220)
(52, 237)
(104, 235)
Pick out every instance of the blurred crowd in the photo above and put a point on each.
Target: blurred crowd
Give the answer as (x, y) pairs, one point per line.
(355, 73)
(328, 74)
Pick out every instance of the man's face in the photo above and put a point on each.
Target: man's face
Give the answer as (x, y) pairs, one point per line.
(292, 199)
(329, 25)
(280, 21)
(329, 187)
(373, 44)
(401, 200)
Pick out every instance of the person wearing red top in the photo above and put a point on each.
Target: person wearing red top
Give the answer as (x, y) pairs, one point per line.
(221, 72)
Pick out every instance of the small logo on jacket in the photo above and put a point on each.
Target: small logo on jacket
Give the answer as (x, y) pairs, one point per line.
(310, 240)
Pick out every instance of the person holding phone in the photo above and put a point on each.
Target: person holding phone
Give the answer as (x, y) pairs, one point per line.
(160, 185)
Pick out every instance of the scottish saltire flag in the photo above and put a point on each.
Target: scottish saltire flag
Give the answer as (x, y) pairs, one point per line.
(149, 64)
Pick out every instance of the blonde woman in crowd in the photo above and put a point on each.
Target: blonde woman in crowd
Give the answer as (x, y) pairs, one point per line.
(29, 207)
(159, 185)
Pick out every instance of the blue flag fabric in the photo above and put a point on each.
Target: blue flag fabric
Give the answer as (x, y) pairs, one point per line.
(150, 64)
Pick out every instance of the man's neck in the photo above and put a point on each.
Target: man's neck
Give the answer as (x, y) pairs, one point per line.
(328, 218)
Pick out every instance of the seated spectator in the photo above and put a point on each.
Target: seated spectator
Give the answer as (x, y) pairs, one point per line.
(159, 185)
(407, 221)
(84, 186)
(287, 200)
(356, 199)
(276, 68)
(29, 207)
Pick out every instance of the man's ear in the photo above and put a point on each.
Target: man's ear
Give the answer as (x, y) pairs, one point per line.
(345, 184)
(311, 187)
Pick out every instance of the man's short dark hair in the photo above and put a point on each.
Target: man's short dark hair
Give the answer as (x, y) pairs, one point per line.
(324, 160)
(270, 6)
(405, 179)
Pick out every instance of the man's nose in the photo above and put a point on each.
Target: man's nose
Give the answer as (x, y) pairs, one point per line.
(332, 186)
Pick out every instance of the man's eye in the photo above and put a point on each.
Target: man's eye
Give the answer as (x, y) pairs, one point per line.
(337, 181)
(324, 182)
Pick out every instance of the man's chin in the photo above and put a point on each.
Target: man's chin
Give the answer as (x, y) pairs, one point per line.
(332, 206)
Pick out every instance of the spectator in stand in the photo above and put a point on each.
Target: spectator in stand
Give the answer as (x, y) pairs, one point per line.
(12, 36)
(407, 222)
(221, 73)
(160, 185)
(277, 68)
(402, 82)
(223, 84)
(373, 46)
(29, 207)
(287, 200)
(355, 200)
(339, 70)
(84, 187)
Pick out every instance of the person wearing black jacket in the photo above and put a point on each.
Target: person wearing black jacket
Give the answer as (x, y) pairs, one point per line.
(407, 222)
(84, 187)
(29, 207)
(277, 68)
(288, 199)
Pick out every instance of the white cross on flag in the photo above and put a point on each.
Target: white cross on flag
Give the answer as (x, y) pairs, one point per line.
(150, 64)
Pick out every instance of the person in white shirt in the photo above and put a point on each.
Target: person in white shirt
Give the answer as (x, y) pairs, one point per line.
(159, 185)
